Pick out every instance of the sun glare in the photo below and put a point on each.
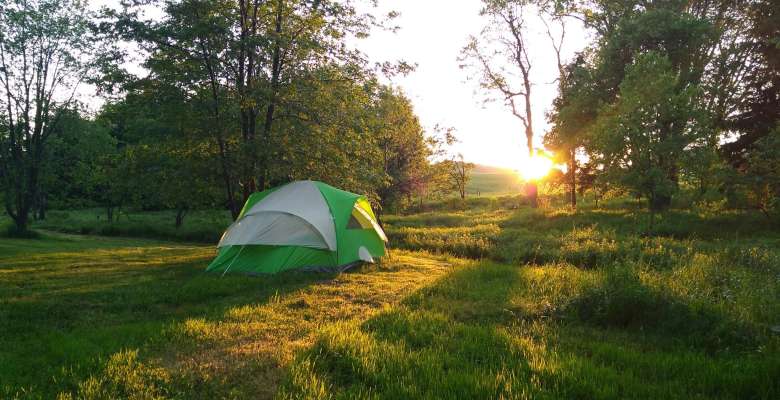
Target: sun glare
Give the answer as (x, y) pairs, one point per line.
(535, 168)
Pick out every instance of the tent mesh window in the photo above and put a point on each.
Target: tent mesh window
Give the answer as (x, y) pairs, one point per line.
(357, 221)
(353, 223)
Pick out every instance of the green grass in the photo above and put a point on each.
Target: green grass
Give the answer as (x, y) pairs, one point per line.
(605, 307)
(485, 300)
(496, 331)
(106, 317)
(491, 181)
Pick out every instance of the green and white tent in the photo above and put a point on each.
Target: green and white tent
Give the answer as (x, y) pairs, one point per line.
(301, 225)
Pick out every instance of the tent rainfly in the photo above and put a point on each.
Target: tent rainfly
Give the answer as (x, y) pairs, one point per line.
(304, 225)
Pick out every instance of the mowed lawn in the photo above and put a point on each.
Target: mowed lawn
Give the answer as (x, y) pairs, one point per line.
(485, 302)
(106, 317)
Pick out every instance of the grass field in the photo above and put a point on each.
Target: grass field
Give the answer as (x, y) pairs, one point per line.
(486, 302)
(487, 181)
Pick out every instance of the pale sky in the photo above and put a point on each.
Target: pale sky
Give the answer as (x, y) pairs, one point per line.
(432, 34)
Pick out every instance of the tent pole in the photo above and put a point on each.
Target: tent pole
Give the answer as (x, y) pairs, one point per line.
(232, 261)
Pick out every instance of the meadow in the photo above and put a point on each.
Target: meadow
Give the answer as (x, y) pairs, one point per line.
(482, 299)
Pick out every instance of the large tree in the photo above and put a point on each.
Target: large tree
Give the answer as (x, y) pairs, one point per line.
(496, 67)
(403, 149)
(44, 46)
(644, 137)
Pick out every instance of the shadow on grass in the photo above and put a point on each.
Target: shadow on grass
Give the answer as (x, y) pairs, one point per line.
(467, 337)
(621, 301)
(588, 239)
(677, 224)
(66, 306)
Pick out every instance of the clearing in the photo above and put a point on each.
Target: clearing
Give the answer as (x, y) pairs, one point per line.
(483, 302)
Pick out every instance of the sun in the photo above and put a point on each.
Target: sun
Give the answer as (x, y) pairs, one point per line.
(535, 168)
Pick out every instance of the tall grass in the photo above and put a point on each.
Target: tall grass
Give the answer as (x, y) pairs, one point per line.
(590, 304)
(496, 331)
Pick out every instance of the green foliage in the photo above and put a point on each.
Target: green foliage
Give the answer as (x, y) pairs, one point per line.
(715, 104)
(74, 151)
(201, 226)
(402, 150)
(761, 176)
(284, 99)
(45, 46)
(645, 136)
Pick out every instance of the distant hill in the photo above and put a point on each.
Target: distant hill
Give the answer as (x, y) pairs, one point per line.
(487, 169)
(488, 180)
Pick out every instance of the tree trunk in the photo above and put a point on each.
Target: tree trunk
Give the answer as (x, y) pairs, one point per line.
(21, 220)
(660, 202)
(532, 188)
(533, 195)
(276, 72)
(180, 214)
(573, 179)
(529, 135)
(218, 127)
(41, 207)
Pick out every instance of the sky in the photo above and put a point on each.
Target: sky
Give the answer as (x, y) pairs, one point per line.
(432, 34)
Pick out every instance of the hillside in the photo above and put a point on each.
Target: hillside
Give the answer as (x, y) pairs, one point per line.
(487, 180)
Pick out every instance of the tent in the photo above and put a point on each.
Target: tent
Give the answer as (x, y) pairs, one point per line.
(301, 225)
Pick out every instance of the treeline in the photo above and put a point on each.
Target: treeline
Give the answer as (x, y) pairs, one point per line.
(234, 97)
(672, 96)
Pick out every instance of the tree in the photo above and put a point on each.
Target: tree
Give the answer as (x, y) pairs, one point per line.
(176, 175)
(403, 150)
(573, 112)
(44, 47)
(752, 109)
(760, 174)
(508, 28)
(69, 162)
(644, 137)
(113, 182)
(458, 172)
(704, 45)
